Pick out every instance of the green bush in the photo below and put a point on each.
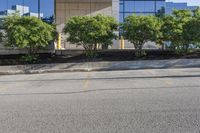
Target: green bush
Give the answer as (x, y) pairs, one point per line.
(141, 29)
(30, 58)
(28, 33)
(89, 31)
(173, 28)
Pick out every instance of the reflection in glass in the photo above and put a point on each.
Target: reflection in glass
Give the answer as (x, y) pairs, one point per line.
(140, 7)
(46, 9)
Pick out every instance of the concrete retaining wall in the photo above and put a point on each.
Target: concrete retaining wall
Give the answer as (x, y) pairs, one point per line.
(12, 51)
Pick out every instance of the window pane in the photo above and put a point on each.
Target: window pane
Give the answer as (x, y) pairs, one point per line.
(128, 14)
(149, 6)
(139, 6)
(129, 6)
(121, 17)
(121, 7)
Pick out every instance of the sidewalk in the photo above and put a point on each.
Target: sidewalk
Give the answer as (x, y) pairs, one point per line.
(99, 66)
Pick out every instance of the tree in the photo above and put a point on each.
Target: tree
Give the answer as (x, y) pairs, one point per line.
(89, 31)
(28, 32)
(110, 25)
(173, 27)
(168, 29)
(191, 30)
(141, 29)
(196, 13)
(1, 36)
(181, 17)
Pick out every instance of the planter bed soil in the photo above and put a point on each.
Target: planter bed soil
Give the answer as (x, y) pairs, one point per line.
(109, 55)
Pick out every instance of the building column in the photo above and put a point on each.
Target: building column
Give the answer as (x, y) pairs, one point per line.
(115, 9)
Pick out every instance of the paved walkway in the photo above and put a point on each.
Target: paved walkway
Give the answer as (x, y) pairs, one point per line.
(99, 66)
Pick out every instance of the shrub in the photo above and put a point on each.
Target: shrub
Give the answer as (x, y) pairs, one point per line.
(141, 29)
(89, 31)
(191, 32)
(173, 27)
(28, 32)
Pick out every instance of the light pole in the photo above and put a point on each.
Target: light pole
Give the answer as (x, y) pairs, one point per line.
(39, 9)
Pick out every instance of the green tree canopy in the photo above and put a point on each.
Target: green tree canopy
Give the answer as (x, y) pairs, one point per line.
(196, 13)
(89, 31)
(28, 32)
(141, 29)
(173, 27)
(168, 28)
(191, 30)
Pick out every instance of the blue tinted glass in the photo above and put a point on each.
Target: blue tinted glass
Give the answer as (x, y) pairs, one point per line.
(121, 17)
(128, 14)
(142, 14)
(149, 6)
(139, 6)
(121, 8)
(129, 6)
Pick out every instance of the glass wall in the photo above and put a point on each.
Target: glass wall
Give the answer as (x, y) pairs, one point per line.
(140, 7)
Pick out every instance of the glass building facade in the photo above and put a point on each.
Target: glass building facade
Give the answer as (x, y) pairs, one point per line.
(170, 6)
(140, 7)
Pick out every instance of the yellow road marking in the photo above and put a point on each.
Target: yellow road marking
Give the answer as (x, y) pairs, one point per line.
(167, 82)
(86, 82)
(2, 89)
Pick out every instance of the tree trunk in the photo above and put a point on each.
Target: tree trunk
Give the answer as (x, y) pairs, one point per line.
(30, 50)
(186, 48)
(163, 46)
(140, 50)
(104, 47)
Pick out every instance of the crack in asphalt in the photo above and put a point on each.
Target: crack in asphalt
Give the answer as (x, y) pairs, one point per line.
(97, 90)
(111, 78)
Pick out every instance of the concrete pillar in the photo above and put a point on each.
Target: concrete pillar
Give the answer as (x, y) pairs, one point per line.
(115, 9)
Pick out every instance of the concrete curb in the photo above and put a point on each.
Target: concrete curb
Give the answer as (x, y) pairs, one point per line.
(99, 66)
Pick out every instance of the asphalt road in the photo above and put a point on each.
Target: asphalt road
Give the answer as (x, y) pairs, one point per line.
(140, 101)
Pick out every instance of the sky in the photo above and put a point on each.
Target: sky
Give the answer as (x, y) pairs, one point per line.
(190, 2)
(47, 6)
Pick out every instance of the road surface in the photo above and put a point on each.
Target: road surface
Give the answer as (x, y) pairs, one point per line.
(139, 101)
